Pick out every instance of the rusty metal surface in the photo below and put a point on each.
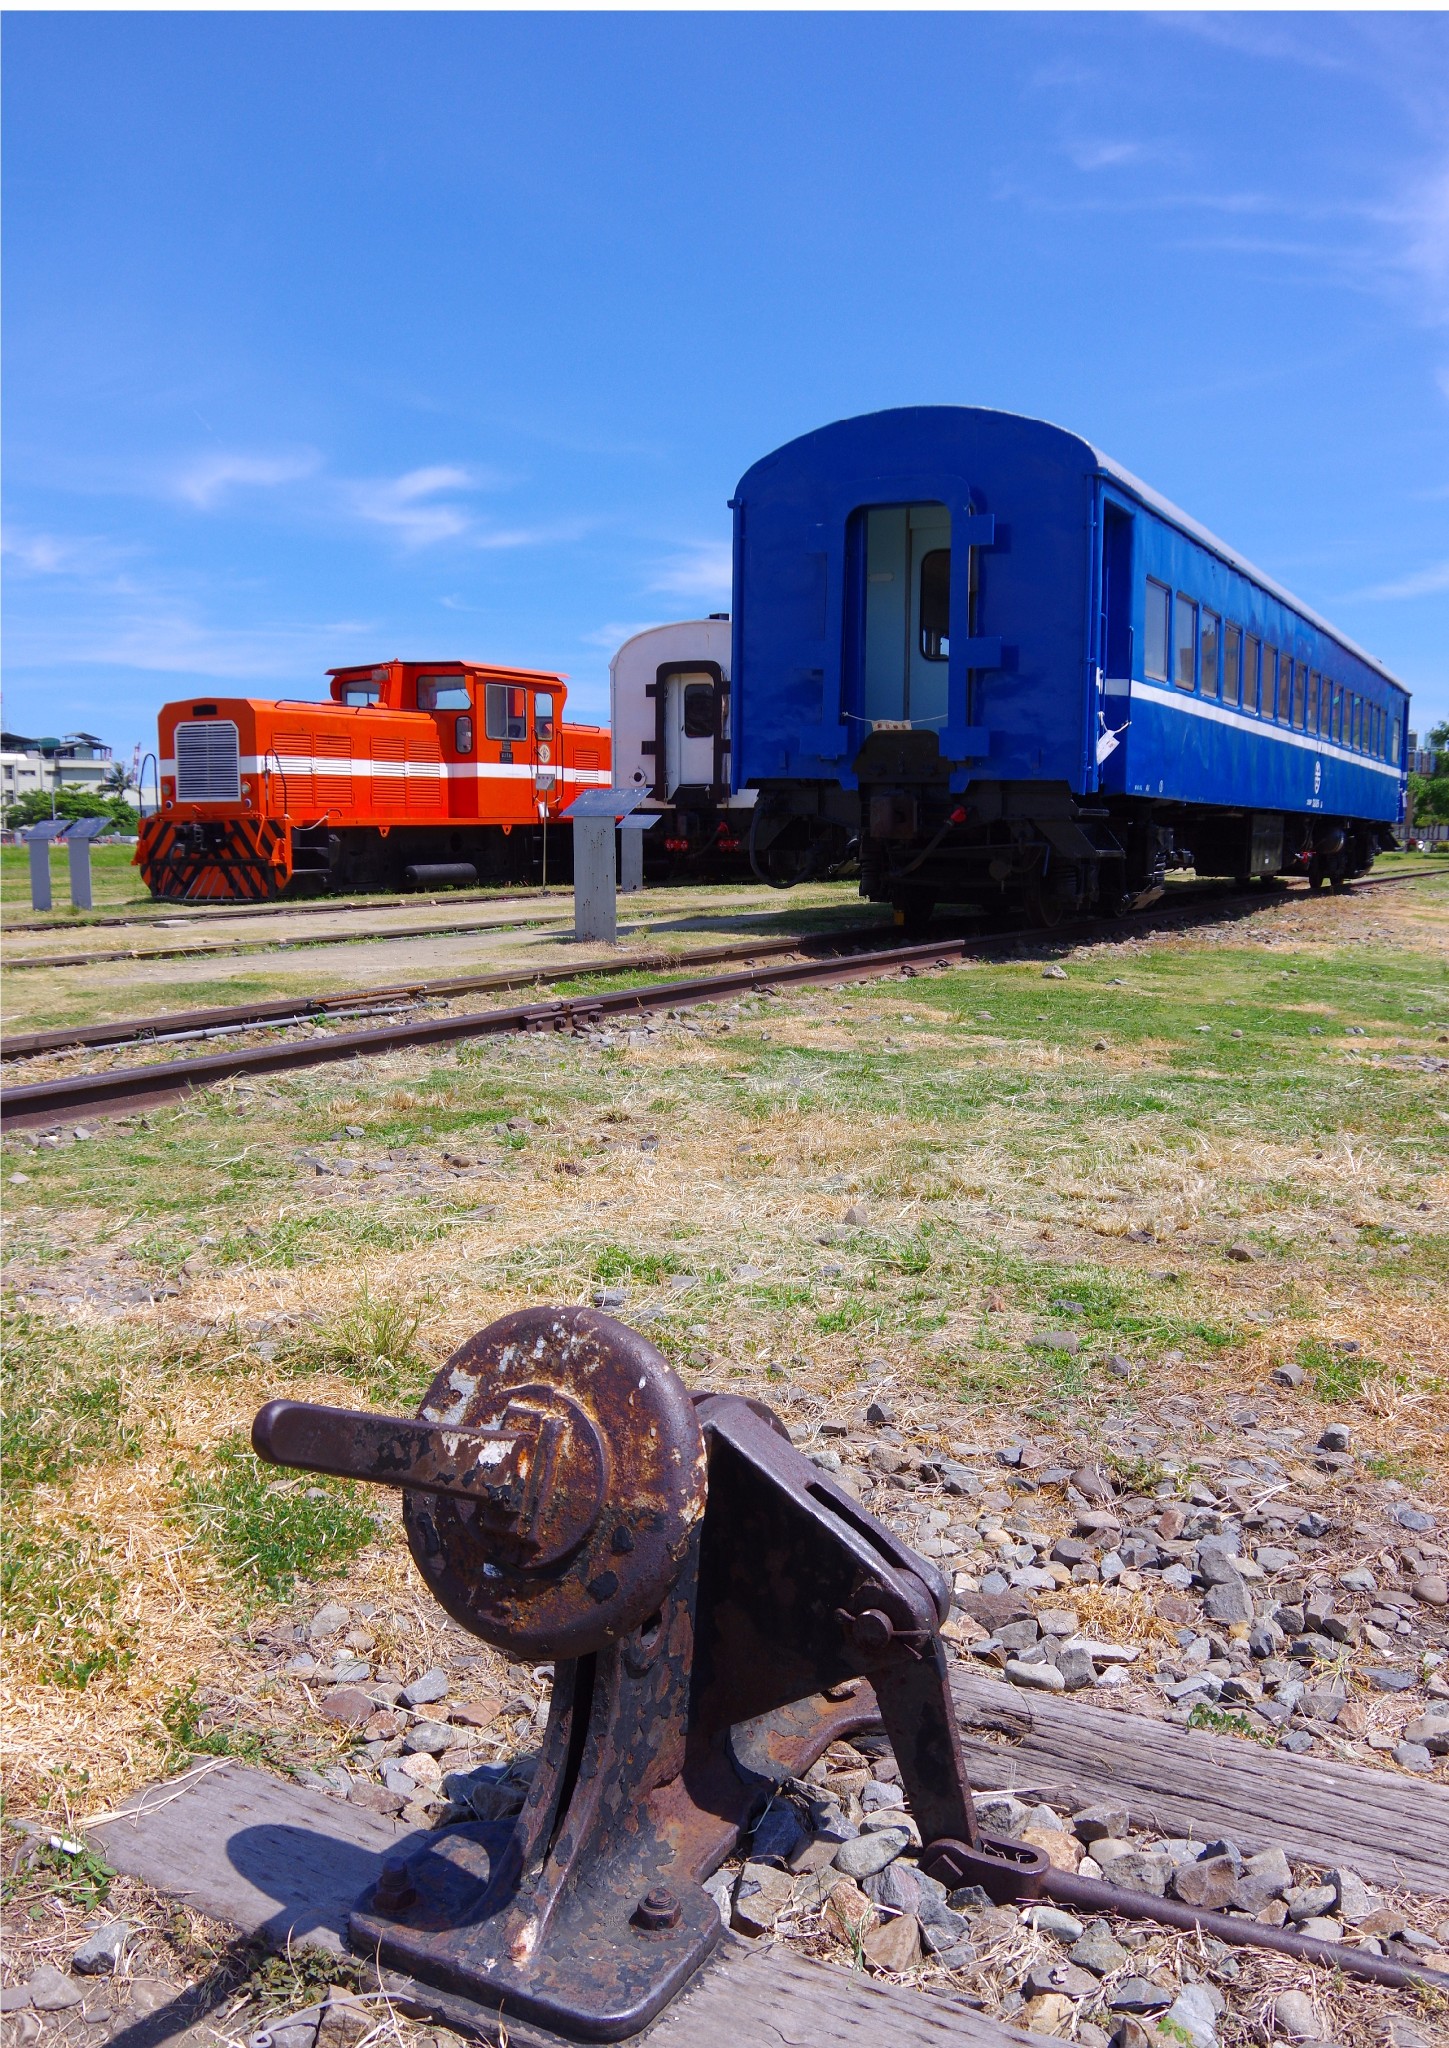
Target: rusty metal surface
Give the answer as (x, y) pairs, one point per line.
(1097, 1897)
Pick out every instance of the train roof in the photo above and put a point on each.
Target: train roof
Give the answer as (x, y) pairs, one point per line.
(492, 668)
(1152, 500)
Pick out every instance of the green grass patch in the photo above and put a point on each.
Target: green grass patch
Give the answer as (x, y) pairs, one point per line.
(613, 1263)
(1219, 1721)
(374, 1341)
(61, 1597)
(66, 1401)
(269, 1528)
(70, 1872)
(1338, 1375)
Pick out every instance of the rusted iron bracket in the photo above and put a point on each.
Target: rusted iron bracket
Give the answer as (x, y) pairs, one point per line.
(719, 1612)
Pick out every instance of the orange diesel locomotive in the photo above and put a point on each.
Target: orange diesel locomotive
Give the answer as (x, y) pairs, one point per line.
(414, 772)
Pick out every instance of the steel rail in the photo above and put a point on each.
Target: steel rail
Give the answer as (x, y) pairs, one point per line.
(281, 1010)
(128, 1088)
(302, 1009)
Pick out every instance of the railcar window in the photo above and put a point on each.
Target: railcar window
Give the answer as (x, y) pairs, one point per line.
(360, 693)
(463, 734)
(1335, 715)
(1184, 644)
(1232, 664)
(1210, 638)
(1252, 650)
(1267, 689)
(543, 714)
(1358, 721)
(1300, 691)
(699, 711)
(1379, 716)
(1313, 701)
(1159, 605)
(936, 604)
(444, 693)
(506, 714)
(1396, 735)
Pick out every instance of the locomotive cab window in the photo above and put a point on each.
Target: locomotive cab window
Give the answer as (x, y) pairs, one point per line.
(360, 693)
(699, 709)
(1184, 644)
(935, 605)
(1159, 606)
(444, 693)
(463, 734)
(506, 713)
(543, 714)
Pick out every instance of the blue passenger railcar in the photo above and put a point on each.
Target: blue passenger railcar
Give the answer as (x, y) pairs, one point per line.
(973, 647)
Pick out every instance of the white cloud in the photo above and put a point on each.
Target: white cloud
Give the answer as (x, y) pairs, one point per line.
(51, 554)
(702, 571)
(1101, 156)
(612, 637)
(1423, 583)
(203, 482)
(414, 506)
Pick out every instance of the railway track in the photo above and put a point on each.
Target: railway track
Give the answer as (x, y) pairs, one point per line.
(119, 1090)
(156, 913)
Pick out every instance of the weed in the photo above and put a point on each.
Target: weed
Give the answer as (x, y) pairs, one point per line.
(60, 1598)
(1219, 1722)
(1337, 1375)
(183, 1716)
(1394, 1465)
(622, 1262)
(1134, 1475)
(267, 1528)
(74, 1874)
(373, 1341)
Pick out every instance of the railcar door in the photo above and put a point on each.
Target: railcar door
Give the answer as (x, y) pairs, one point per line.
(907, 614)
(691, 726)
(1115, 639)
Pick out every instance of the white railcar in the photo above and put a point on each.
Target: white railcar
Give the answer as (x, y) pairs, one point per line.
(669, 707)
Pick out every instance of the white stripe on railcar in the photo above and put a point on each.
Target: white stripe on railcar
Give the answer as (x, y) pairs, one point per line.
(1262, 728)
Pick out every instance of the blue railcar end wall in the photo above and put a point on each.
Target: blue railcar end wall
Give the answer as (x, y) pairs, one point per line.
(1023, 697)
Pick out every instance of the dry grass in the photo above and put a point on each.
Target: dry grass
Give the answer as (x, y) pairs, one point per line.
(767, 1132)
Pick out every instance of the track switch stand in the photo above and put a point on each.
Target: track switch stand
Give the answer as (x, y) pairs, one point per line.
(718, 1611)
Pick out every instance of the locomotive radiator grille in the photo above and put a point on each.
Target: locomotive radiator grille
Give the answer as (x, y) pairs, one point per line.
(208, 765)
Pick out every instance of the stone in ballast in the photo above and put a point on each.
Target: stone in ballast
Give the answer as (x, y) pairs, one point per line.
(761, 1895)
(1295, 2014)
(869, 1853)
(99, 1955)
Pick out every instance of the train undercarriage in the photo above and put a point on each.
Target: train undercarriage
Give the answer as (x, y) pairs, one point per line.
(258, 860)
(1034, 850)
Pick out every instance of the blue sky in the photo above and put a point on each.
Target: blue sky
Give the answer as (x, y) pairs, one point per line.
(333, 337)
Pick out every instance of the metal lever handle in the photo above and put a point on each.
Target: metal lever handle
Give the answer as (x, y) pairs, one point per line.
(510, 1474)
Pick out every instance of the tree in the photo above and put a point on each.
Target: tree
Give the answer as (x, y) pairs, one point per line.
(34, 808)
(1429, 797)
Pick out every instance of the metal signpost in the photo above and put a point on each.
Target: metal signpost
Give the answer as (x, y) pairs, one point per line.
(78, 837)
(594, 816)
(38, 838)
(631, 850)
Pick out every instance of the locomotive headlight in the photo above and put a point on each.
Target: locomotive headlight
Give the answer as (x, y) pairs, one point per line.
(246, 789)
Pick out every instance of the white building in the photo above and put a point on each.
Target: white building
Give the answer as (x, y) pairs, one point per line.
(79, 761)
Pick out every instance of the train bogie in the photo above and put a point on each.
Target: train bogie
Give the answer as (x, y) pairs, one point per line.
(1011, 673)
(407, 769)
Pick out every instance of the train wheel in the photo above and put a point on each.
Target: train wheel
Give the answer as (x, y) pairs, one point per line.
(1043, 908)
